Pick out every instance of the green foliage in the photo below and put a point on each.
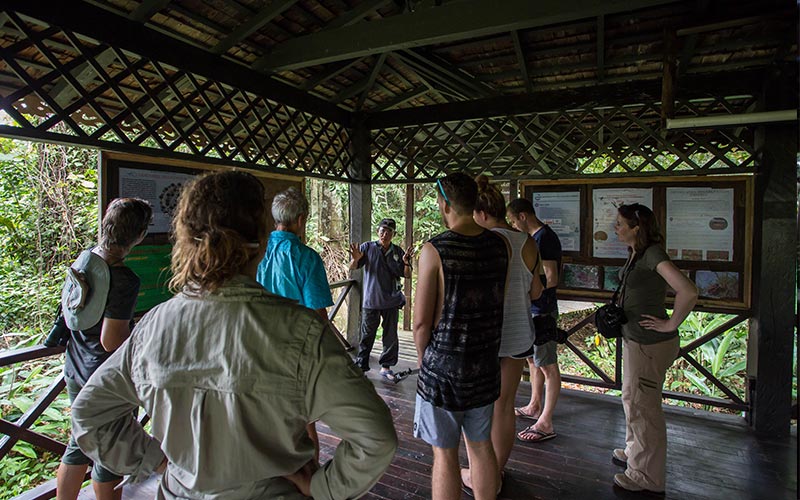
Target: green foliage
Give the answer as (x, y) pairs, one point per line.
(49, 199)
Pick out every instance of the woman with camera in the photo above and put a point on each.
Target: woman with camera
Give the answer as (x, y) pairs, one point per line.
(108, 307)
(650, 345)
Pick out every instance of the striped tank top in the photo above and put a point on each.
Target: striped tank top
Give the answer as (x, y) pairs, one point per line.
(460, 368)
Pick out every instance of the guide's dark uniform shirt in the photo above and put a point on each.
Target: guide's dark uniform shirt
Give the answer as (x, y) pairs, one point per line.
(460, 368)
(382, 273)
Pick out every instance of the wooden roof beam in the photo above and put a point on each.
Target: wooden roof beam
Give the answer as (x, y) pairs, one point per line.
(519, 50)
(356, 14)
(376, 69)
(437, 24)
(724, 83)
(401, 99)
(147, 9)
(601, 47)
(247, 28)
(323, 76)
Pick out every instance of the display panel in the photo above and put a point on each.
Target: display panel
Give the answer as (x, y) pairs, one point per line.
(706, 222)
(160, 182)
(562, 212)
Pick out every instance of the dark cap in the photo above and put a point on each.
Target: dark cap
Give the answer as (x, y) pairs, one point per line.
(390, 223)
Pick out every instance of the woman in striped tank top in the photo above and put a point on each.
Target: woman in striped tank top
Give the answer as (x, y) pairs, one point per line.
(516, 342)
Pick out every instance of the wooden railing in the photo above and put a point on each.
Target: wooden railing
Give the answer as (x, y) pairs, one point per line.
(614, 381)
(19, 430)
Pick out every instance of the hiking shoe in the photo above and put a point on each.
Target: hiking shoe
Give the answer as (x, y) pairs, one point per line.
(622, 480)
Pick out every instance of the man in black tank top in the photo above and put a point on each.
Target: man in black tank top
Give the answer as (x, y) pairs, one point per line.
(458, 317)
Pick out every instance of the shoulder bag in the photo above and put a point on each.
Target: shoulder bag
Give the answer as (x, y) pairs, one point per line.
(610, 318)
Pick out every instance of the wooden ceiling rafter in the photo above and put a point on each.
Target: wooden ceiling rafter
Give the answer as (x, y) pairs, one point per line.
(439, 24)
(147, 9)
(253, 24)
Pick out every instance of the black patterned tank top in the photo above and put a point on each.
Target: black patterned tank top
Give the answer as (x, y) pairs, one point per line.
(460, 368)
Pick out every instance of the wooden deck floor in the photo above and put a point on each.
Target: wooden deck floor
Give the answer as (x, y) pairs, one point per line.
(710, 456)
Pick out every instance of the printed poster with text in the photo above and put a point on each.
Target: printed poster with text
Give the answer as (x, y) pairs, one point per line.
(562, 212)
(700, 224)
(605, 203)
(160, 188)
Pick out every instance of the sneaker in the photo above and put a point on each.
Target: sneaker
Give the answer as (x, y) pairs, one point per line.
(388, 374)
(619, 457)
(623, 481)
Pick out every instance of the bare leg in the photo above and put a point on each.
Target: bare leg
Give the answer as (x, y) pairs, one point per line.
(534, 407)
(483, 469)
(69, 480)
(552, 377)
(504, 421)
(445, 483)
(106, 491)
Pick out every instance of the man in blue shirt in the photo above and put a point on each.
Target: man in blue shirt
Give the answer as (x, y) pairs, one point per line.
(290, 268)
(384, 264)
(545, 374)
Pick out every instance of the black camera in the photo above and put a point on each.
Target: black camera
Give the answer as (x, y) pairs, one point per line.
(59, 333)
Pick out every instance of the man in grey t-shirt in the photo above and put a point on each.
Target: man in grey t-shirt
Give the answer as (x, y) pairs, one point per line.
(384, 265)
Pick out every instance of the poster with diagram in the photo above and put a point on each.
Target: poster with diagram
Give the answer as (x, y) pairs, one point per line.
(605, 203)
(161, 188)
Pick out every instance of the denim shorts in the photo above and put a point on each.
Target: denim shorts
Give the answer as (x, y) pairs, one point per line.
(442, 428)
(73, 454)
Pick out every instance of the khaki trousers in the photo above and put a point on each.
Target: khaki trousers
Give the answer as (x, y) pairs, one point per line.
(644, 367)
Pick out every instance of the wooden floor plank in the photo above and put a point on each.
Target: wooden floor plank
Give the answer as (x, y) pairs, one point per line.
(710, 456)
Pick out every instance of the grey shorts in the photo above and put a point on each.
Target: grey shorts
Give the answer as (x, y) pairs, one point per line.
(545, 354)
(74, 456)
(442, 428)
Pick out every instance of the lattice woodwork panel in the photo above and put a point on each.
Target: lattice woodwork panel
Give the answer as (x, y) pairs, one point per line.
(58, 86)
(584, 142)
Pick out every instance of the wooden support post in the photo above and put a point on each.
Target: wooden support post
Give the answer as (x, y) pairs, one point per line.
(774, 268)
(360, 219)
(407, 289)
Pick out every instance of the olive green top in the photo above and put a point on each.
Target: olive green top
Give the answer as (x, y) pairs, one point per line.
(230, 380)
(645, 293)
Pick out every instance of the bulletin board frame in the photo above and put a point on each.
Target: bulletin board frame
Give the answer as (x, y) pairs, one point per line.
(159, 180)
(736, 272)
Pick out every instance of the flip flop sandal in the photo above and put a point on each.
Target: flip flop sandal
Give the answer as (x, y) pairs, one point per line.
(539, 436)
(466, 489)
(520, 412)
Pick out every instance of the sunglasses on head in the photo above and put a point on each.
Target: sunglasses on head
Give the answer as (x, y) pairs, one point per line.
(441, 190)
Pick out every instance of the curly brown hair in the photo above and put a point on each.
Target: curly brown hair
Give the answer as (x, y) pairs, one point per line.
(220, 222)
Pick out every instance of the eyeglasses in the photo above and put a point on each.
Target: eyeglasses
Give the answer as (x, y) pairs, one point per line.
(441, 190)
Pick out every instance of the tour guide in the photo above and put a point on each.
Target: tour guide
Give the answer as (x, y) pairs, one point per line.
(384, 264)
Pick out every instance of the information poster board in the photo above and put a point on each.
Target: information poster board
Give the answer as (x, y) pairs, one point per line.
(562, 212)
(706, 222)
(605, 202)
(160, 182)
(700, 223)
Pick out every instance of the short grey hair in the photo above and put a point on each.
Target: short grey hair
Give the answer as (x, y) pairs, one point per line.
(288, 206)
